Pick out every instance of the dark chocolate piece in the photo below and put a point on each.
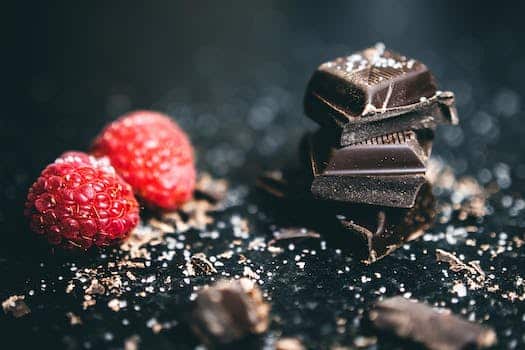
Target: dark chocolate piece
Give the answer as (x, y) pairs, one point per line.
(386, 171)
(228, 311)
(371, 80)
(427, 114)
(378, 231)
(423, 324)
(376, 92)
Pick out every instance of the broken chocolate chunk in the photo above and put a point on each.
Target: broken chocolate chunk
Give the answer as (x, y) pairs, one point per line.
(385, 171)
(228, 311)
(376, 92)
(378, 231)
(423, 324)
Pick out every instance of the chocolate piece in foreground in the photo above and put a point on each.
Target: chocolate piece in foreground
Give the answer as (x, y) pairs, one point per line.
(370, 232)
(385, 171)
(228, 311)
(422, 324)
(376, 92)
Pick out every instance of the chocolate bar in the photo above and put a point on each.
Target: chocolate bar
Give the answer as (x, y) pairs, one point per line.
(422, 324)
(387, 170)
(376, 92)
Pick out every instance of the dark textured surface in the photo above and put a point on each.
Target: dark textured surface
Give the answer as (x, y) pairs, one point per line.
(234, 78)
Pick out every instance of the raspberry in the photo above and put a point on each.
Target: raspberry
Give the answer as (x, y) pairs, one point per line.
(79, 201)
(153, 154)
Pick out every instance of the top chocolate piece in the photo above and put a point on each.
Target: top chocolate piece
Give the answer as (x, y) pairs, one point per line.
(369, 85)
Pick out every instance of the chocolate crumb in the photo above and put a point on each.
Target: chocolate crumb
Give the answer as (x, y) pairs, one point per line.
(293, 233)
(200, 265)
(16, 306)
(95, 287)
(116, 304)
(289, 344)
(212, 189)
(73, 319)
(132, 343)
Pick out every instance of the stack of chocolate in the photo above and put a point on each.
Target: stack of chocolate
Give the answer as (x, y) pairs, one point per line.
(366, 164)
(378, 111)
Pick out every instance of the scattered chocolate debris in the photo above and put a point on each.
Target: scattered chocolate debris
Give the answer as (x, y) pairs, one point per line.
(116, 304)
(364, 342)
(226, 255)
(73, 319)
(161, 226)
(95, 287)
(422, 324)
(130, 276)
(468, 197)
(249, 273)
(293, 233)
(16, 306)
(257, 244)
(88, 302)
(200, 265)
(228, 311)
(275, 184)
(457, 265)
(212, 189)
(132, 343)
(70, 287)
(288, 344)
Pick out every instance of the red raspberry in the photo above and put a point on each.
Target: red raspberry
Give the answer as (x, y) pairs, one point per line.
(79, 201)
(153, 154)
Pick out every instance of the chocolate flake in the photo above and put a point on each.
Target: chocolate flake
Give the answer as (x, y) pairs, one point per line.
(16, 306)
(95, 287)
(73, 319)
(293, 233)
(423, 324)
(200, 265)
(288, 344)
(214, 190)
(132, 343)
(457, 265)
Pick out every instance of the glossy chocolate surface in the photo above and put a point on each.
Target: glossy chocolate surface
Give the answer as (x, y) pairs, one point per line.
(388, 174)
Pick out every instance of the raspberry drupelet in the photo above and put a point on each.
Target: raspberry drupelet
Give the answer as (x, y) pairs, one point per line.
(78, 202)
(153, 154)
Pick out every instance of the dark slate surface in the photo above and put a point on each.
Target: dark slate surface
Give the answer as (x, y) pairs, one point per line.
(233, 77)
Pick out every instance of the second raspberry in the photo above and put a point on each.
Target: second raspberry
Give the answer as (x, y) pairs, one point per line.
(153, 154)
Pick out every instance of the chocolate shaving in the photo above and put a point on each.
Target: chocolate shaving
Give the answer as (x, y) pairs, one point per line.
(293, 233)
(95, 287)
(289, 344)
(273, 183)
(200, 265)
(211, 189)
(73, 319)
(455, 264)
(132, 343)
(228, 311)
(423, 324)
(16, 306)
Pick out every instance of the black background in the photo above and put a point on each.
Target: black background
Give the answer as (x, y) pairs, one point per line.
(233, 74)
